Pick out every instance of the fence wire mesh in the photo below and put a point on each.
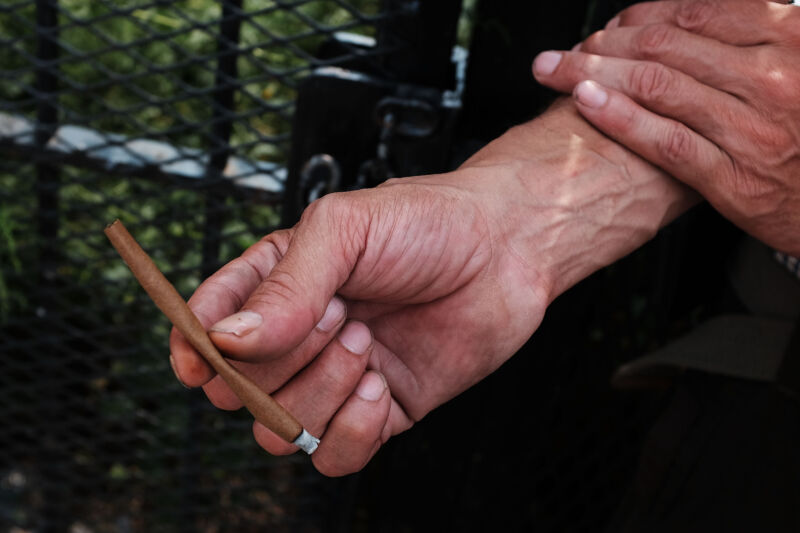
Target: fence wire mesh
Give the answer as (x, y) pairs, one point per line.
(175, 117)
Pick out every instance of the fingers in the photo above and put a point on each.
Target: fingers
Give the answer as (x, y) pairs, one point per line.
(316, 393)
(736, 22)
(336, 398)
(354, 435)
(713, 113)
(705, 59)
(291, 301)
(272, 374)
(217, 297)
(666, 143)
(222, 295)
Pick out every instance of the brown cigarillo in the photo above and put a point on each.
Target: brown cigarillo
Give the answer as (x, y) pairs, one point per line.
(266, 410)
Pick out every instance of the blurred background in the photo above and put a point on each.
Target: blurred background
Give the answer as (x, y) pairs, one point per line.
(205, 124)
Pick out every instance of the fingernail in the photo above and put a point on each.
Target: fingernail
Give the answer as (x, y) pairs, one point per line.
(546, 63)
(613, 23)
(239, 324)
(175, 370)
(576, 48)
(334, 314)
(371, 387)
(355, 337)
(591, 94)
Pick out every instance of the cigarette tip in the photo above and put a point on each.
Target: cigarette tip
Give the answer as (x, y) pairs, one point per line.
(109, 226)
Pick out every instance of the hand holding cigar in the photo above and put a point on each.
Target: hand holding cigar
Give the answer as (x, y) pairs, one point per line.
(263, 408)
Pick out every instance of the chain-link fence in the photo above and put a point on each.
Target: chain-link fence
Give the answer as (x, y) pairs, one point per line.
(204, 124)
(175, 117)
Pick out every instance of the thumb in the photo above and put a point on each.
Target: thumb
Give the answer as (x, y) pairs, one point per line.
(285, 308)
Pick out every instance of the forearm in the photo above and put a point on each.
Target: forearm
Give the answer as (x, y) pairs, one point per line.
(574, 201)
(450, 275)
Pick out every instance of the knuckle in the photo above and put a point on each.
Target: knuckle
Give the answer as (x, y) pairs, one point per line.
(340, 211)
(775, 144)
(323, 207)
(777, 80)
(340, 219)
(634, 15)
(756, 195)
(337, 370)
(694, 16)
(627, 122)
(581, 64)
(269, 250)
(652, 41)
(280, 287)
(677, 147)
(592, 43)
(651, 81)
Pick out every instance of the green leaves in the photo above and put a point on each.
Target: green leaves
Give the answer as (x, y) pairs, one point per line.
(9, 261)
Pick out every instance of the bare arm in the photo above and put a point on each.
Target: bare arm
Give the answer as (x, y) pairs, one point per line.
(707, 90)
(443, 278)
(585, 201)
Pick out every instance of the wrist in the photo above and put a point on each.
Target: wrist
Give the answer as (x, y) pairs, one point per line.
(566, 200)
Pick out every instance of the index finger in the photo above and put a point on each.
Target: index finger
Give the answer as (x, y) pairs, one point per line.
(219, 296)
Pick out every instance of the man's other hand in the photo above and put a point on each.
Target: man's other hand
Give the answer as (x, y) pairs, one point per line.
(708, 90)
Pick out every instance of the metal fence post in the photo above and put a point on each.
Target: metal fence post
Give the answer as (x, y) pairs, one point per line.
(223, 114)
(55, 462)
(47, 175)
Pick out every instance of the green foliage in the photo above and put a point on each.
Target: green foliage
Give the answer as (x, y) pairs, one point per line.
(145, 70)
(9, 261)
(16, 27)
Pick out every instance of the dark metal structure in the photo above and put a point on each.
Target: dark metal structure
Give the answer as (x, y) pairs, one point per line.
(205, 124)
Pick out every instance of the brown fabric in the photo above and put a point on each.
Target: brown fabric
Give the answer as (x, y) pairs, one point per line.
(738, 346)
(748, 346)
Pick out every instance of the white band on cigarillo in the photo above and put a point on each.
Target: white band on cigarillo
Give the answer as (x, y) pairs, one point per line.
(306, 442)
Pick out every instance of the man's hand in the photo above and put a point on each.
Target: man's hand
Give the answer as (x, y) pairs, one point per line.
(443, 279)
(417, 261)
(708, 90)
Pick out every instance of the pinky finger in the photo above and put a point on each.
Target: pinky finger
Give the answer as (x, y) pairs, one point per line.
(666, 143)
(354, 434)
